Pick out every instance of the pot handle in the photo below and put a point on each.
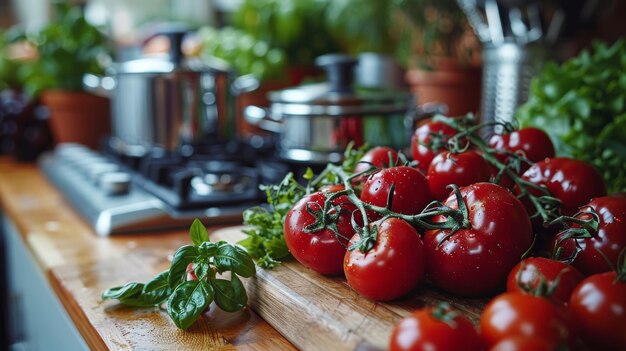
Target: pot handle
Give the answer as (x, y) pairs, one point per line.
(259, 117)
(244, 84)
(99, 85)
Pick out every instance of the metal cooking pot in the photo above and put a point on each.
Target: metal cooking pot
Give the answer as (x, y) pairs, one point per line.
(315, 122)
(171, 102)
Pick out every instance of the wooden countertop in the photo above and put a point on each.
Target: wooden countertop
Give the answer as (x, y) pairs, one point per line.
(80, 265)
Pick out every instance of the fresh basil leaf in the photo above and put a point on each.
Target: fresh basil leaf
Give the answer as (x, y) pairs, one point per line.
(201, 270)
(157, 290)
(188, 301)
(130, 294)
(230, 295)
(182, 258)
(207, 249)
(198, 232)
(120, 292)
(233, 258)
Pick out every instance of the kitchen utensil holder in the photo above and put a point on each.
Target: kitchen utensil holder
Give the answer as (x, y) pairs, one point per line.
(507, 72)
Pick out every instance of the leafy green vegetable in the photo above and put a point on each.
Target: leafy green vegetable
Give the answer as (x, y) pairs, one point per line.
(295, 26)
(186, 299)
(247, 54)
(265, 241)
(68, 48)
(582, 105)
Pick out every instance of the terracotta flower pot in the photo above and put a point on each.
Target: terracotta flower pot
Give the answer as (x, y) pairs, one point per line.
(457, 86)
(78, 117)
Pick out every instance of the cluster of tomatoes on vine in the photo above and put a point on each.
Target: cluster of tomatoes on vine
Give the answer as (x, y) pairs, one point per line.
(462, 216)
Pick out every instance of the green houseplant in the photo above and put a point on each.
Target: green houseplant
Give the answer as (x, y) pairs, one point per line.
(439, 50)
(68, 48)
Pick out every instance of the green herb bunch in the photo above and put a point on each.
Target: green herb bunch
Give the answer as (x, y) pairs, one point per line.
(265, 241)
(582, 105)
(68, 48)
(187, 299)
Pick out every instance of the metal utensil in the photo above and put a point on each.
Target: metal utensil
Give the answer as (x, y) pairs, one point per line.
(494, 21)
(518, 27)
(536, 27)
(475, 19)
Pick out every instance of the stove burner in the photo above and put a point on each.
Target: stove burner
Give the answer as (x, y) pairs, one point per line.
(120, 193)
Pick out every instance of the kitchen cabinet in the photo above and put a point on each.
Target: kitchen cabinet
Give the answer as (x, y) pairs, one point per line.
(37, 319)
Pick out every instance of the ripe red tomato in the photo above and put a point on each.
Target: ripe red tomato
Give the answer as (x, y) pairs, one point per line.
(527, 316)
(518, 343)
(332, 188)
(610, 238)
(321, 250)
(477, 260)
(533, 142)
(411, 192)
(461, 169)
(531, 271)
(428, 140)
(599, 305)
(574, 182)
(392, 268)
(379, 157)
(427, 329)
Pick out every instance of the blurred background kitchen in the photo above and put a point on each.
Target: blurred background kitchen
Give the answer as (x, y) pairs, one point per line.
(448, 53)
(186, 106)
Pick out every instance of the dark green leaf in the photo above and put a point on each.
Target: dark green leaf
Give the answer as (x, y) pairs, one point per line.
(233, 258)
(207, 249)
(120, 292)
(230, 295)
(182, 258)
(157, 290)
(188, 301)
(130, 295)
(198, 232)
(201, 270)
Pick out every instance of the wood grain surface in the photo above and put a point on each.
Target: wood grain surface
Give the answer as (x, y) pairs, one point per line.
(80, 265)
(323, 313)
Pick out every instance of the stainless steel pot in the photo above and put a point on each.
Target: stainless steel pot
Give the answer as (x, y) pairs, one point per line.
(171, 102)
(316, 122)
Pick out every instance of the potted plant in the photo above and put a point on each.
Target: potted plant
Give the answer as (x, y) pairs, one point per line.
(68, 48)
(440, 53)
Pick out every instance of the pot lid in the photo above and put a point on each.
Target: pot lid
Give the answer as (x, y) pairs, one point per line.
(174, 60)
(337, 96)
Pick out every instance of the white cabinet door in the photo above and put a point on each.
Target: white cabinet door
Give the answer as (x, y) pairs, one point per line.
(37, 319)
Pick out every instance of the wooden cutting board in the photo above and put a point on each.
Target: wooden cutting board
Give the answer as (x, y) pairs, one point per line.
(315, 312)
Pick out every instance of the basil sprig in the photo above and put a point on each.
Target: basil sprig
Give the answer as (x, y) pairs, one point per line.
(187, 299)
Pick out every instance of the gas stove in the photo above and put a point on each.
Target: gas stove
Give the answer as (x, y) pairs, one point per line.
(121, 192)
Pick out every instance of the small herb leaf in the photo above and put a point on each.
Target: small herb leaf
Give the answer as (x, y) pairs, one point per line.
(129, 295)
(234, 258)
(183, 257)
(198, 232)
(201, 270)
(188, 301)
(230, 295)
(120, 292)
(157, 290)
